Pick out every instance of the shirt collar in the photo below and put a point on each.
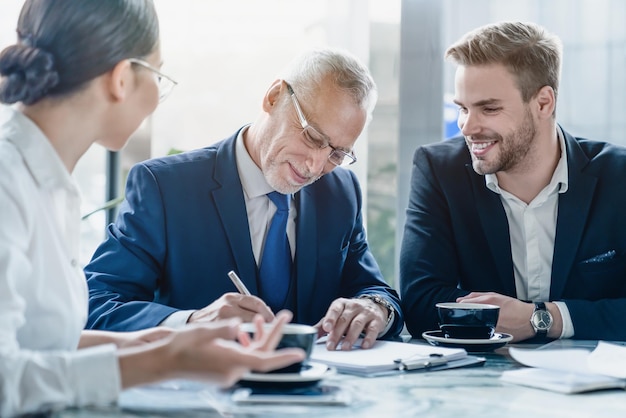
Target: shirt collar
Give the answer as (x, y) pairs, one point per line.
(559, 177)
(252, 179)
(38, 153)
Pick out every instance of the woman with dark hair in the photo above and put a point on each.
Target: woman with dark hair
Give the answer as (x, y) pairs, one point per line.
(84, 72)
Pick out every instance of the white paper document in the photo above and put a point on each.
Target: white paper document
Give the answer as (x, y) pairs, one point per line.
(387, 356)
(570, 370)
(608, 359)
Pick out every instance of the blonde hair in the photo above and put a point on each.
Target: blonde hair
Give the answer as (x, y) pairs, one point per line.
(528, 51)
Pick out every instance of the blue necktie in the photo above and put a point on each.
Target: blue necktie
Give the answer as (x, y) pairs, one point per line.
(275, 268)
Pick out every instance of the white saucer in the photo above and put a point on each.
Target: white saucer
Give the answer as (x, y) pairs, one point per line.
(439, 339)
(312, 372)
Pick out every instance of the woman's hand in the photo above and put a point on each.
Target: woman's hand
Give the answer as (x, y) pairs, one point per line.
(89, 338)
(209, 352)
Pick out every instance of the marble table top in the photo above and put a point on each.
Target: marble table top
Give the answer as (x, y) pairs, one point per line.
(465, 392)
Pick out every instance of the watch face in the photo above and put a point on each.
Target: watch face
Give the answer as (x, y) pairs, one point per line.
(542, 320)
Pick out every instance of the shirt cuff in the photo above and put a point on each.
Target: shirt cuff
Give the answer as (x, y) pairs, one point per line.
(177, 320)
(96, 374)
(568, 326)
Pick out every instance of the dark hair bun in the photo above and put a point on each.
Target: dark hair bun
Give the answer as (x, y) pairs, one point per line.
(28, 74)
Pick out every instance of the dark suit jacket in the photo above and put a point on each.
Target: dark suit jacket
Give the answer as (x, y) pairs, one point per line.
(456, 238)
(183, 227)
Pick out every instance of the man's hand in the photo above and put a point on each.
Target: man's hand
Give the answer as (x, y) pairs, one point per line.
(515, 315)
(348, 318)
(233, 305)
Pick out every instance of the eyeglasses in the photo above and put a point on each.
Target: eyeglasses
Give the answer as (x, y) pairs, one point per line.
(166, 84)
(314, 139)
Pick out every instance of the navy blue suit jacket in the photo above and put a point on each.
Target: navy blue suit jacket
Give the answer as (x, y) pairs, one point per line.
(456, 238)
(183, 227)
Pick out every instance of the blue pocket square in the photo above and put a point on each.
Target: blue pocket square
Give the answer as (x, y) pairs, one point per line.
(600, 257)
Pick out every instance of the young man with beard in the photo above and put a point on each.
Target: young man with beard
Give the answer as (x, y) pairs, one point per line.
(517, 213)
(191, 218)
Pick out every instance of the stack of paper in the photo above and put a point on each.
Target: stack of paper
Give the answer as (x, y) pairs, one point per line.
(570, 370)
(387, 356)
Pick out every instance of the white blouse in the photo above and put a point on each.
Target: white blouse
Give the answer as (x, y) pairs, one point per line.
(43, 293)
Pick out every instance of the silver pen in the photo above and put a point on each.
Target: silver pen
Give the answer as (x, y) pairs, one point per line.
(421, 362)
(238, 283)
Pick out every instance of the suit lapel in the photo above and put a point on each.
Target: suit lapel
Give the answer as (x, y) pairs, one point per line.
(496, 228)
(230, 203)
(306, 251)
(573, 210)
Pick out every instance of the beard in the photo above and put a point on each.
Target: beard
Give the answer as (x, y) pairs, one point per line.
(512, 149)
(279, 181)
(276, 164)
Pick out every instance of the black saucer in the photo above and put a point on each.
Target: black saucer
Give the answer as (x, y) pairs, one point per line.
(438, 338)
(310, 374)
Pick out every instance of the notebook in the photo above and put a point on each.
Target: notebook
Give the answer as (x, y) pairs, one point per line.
(392, 357)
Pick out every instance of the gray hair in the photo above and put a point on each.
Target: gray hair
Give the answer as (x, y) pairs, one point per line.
(530, 53)
(307, 71)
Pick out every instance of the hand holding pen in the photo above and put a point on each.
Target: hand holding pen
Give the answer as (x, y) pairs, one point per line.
(242, 305)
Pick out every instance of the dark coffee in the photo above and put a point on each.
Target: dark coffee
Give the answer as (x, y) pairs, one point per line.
(467, 331)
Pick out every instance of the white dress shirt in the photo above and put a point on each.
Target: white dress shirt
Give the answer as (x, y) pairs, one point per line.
(532, 230)
(43, 293)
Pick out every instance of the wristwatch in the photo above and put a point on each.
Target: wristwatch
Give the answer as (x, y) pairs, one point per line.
(541, 319)
(379, 300)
